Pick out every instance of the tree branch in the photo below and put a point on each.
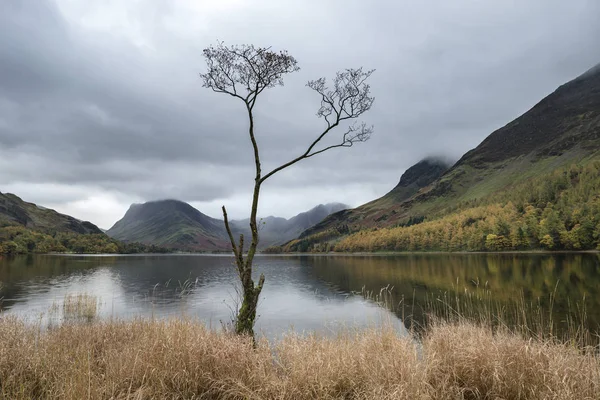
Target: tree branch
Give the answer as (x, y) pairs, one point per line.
(236, 252)
(349, 99)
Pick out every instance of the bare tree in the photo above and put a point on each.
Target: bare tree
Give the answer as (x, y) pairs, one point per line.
(244, 72)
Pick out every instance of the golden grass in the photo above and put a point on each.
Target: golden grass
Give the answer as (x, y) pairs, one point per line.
(182, 359)
(80, 306)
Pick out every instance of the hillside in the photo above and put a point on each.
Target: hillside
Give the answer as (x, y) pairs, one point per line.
(15, 211)
(172, 224)
(561, 130)
(412, 180)
(29, 228)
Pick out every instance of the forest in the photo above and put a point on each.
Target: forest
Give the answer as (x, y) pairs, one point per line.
(555, 211)
(17, 239)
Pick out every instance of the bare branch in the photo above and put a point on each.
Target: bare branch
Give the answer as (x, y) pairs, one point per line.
(349, 99)
(237, 252)
(246, 68)
(356, 133)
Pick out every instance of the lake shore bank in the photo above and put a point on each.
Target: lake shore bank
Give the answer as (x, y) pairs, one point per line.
(399, 253)
(178, 358)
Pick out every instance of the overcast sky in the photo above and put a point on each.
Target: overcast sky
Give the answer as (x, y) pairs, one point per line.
(101, 105)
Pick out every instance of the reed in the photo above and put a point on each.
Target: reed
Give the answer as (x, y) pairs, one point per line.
(464, 351)
(80, 307)
(182, 359)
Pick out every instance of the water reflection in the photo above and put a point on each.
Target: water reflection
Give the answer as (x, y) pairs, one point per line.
(572, 279)
(175, 285)
(304, 292)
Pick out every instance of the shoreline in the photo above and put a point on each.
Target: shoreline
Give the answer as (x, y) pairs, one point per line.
(328, 254)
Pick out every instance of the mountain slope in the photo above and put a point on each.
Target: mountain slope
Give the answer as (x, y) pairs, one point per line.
(176, 224)
(412, 180)
(172, 224)
(15, 211)
(275, 231)
(29, 228)
(562, 129)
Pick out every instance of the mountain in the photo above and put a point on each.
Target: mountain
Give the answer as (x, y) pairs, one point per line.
(15, 211)
(560, 132)
(412, 180)
(275, 231)
(176, 224)
(30, 228)
(171, 224)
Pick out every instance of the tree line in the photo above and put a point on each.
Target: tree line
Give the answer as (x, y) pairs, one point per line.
(555, 211)
(17, 239)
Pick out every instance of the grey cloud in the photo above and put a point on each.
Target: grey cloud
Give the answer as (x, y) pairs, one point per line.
(89, 106)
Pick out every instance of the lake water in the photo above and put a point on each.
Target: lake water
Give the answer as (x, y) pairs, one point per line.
(303, 292)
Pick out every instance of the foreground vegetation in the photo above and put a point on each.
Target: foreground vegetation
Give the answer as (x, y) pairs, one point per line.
(464, 351)
(180, 359)
(555, 211)
(16, 239)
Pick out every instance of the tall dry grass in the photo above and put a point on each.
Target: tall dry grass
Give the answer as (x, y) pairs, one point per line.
(82, 306)
(182, 359)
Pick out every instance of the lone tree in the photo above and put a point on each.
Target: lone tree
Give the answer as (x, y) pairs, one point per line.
(244, 72)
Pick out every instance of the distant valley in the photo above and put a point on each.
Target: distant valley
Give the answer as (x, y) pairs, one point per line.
(178, 225)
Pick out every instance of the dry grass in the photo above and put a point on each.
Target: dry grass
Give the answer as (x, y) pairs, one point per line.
(81, 306)
(182, 359)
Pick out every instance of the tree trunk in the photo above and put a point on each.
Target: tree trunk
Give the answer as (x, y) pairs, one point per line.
(246, 316)
(244, 324)
(247, 313)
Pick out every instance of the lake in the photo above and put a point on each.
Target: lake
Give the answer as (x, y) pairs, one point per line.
(304, 292)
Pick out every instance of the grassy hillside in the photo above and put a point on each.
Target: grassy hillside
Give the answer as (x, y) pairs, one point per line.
(13, 210)
(17, 239)
(559, 134)
(29, 228)
(556, 211)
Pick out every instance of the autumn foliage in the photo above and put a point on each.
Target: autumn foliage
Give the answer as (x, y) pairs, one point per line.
(557, 211)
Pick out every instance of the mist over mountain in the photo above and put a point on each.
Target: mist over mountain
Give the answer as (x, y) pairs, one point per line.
(276, 230)
(412, 180)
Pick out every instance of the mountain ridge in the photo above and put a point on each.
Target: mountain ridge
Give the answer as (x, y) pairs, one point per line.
(176, 224)
(170, 223)
(14, 210)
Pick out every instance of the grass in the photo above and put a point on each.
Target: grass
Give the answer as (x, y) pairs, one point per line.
(460, 353)
(469, 348)
(182, 359)
(81, 306)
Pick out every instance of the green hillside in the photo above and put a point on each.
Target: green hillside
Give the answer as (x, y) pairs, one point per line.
(29, 228)
(557, 138)
(13, 210)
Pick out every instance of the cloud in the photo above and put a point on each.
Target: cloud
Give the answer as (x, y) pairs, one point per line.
(101, 104)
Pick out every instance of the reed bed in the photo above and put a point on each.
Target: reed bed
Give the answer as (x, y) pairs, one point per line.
(183, 359)
(80, 307)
